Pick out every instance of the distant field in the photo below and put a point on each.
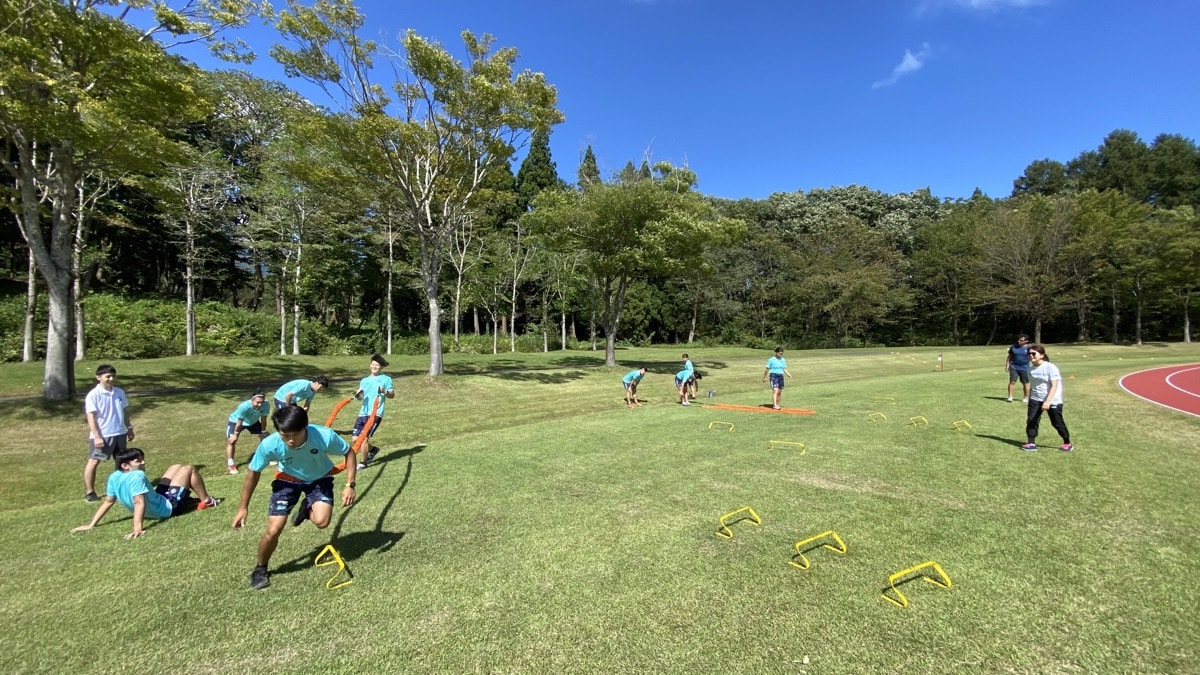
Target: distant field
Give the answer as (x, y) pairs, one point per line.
(524, 520)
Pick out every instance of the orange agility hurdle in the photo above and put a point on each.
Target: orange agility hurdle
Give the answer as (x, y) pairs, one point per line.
(759, 408)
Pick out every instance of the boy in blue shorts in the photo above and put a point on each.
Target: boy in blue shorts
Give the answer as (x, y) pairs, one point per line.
(109, 427)
(631, 380)
(250, 415)
(374, 386)
(776, 368)
(302, 451)
(130, 486)
(299, 392)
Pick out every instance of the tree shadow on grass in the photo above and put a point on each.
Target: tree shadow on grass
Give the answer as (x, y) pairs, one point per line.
(355, 544)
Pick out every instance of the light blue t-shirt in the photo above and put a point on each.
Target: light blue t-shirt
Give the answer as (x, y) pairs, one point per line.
(633, 376)
(307, 463)
(125, 485)
(687, 365)
(370, 386)
(301, 390)
(683, 375)
(248, 414)
(776, 365)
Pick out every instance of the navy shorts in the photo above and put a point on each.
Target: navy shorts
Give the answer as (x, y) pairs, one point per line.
(1015, 374)
(175, 494)
(112, 445)
(279, 405)
(362, 422)
(255, 428)
(777, 380)
(285, 494)
(629, 384)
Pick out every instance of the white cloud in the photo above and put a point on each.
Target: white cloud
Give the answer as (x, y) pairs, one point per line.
(911, 63)
(925, 6)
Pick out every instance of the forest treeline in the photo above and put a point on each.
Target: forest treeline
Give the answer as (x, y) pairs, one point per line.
(154, 208)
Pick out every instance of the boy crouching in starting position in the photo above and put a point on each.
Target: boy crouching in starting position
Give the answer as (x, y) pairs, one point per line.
(130, 486)
(302, 451)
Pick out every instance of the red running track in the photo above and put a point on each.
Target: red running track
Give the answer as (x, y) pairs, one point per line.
(1174, 387)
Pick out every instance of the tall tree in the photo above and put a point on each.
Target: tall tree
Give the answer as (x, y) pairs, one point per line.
(1043, 177)
(537, 170)
(450, 124)
(83, 90)
(589, 171)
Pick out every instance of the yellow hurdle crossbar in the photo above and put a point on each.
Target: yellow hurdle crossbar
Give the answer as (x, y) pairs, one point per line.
(918, 421)
(962, 425)
(771, 445)
(903, 601)
(710, 425)
(804, 564)
(876, 416)
(334, 559)
(728, 533)
(889, 399)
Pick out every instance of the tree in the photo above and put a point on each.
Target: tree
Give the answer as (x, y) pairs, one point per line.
(537, 170)
(451, 122)
(83, 90)
(589, 172)
(946, 263)
(1181, 259)
(628, 230)
(1042, 177)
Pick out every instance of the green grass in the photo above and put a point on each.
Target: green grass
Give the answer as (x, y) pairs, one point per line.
(524, 520)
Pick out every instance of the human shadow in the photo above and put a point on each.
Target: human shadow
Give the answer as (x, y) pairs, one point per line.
(355, 544)
(1006, 441)
(994, 398)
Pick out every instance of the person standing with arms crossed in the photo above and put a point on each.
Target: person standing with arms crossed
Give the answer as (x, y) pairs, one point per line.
(776, 369)
(1016, 364)
(109, 428)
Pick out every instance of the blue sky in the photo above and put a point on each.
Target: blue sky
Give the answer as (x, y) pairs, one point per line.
(763, 96)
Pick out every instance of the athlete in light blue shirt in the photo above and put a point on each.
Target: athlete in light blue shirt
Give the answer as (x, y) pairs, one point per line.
(776, 369)
(631, 380)
(250, 415)
(298, 391)
(375, 386)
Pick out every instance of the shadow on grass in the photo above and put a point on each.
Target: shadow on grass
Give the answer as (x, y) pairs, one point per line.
(1006, 441)
(355, 544)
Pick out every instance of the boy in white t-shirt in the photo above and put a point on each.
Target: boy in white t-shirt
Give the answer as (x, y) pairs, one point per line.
(109, 427)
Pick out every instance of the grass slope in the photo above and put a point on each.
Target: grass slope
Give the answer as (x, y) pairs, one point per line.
(524, 520)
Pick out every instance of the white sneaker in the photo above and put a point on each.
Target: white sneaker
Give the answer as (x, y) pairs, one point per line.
(1010, 399)
(232, 470)
(361, 466)
(1024, 400)
(686, 403)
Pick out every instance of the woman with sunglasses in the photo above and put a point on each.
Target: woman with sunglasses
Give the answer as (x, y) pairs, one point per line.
(1046, 396)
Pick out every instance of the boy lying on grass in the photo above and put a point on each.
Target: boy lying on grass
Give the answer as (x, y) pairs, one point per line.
(130, 486)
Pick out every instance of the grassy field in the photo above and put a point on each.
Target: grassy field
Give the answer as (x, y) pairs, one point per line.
(522, 519)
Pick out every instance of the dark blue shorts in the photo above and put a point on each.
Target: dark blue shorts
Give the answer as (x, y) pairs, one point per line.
(777, 380)
(255, 428)
(362, 422)
(1021, 374)
(279, 405)
(285, 494)
(175, 494)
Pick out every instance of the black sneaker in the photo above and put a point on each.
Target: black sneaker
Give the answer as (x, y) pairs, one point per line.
(91, 497)
(301, 513)
(371, 454)
(259, 578)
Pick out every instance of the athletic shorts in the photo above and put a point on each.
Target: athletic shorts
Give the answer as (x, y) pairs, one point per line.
(1015, 374)
(280, 405)
(679, 382)
(255, 428)
(777, 380)
(112, 445)
(629, 384)
(174, 494)
(285, 494)
(362, 422)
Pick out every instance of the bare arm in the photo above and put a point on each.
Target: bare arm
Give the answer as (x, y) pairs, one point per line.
(139, 512)
(1054, 385)
(251, 482)
(94, 428)
(104, 507)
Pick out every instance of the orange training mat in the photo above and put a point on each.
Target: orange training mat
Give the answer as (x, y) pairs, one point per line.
(758, 408)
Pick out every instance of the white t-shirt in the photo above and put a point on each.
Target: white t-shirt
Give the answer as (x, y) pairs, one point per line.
(1042, 376)
(109, 408)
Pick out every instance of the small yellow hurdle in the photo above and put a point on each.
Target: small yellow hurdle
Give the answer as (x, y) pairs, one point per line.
(881, 399)
(903, 601)
(962, 425)
(729, 424)
(334, 559)
(918, 421)
(876, 416)
(728, 533)
(771, 445)
(804, 564)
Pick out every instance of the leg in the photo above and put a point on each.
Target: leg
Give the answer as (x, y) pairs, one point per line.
(270, 539)
(320, 514)
(1033, 418)
(1056, 421)
(89, 475)
(186, 476)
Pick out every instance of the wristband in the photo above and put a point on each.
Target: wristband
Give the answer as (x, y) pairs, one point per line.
(351, 485)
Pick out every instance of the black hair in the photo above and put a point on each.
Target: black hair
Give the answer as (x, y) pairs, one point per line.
(258, 392)
(290, 418)
(128, 455)
(378, 358)
(1023, 336)
(321, 380)
(105, 369)
(778, 349)
(685, 355)
(1039, 349)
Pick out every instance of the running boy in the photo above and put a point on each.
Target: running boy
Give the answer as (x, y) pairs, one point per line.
(129, 486)
(108, 424)
(631, 380)
(296, 391)
(250, 415)
(374, 386)
(776, 368)
(302, 450)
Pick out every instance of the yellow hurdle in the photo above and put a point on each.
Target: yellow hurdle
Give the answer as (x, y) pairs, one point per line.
(889, 399)
(334, 559)
(876, 416)
(918, 421)
(771, 445)
(962, 425)
(710, 425)
(728, 533)
(804, 564)
(903, 601)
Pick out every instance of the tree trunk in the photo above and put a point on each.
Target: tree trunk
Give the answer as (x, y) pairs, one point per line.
(564, 332)
(1115, 316)
(30, 310)
(390, 280)
(281, 308)
(189, 285)
(296, 305)
(76, 264)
